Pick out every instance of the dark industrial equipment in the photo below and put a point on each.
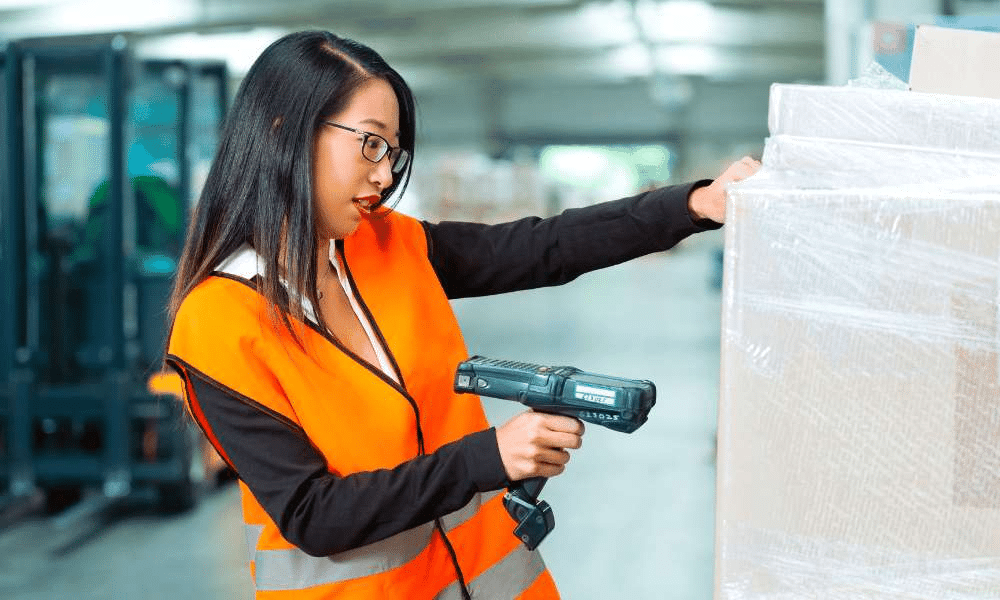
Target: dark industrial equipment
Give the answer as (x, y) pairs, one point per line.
(101, 159)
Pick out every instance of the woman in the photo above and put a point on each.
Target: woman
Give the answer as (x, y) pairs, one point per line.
(312, 329)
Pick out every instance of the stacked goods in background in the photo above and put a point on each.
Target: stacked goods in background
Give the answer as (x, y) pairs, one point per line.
(472, 187)
(859, 421)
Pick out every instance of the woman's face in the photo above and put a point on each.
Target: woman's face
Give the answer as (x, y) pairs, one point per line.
(344, 181)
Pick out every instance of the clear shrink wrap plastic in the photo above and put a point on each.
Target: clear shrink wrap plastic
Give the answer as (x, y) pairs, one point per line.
(859, 419)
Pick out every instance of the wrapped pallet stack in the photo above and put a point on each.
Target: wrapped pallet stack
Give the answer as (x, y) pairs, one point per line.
(859, 422)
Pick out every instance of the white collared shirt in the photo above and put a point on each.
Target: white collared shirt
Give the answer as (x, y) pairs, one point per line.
(337, 264)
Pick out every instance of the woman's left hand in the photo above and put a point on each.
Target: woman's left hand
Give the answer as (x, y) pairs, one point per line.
(709, 202)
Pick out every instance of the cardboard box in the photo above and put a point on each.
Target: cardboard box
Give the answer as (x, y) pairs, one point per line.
(859, 419)
(955, 61)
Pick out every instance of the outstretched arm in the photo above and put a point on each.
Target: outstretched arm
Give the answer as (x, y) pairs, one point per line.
(473, 259)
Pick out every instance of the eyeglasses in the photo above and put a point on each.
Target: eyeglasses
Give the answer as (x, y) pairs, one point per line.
(375, 147)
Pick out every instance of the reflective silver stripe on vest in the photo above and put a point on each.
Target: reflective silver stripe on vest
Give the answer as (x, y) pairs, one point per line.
(453, 520)
(509, 578)
(253, 536)
(293, 569)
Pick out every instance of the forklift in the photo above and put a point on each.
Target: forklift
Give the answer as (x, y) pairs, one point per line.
(103, 157)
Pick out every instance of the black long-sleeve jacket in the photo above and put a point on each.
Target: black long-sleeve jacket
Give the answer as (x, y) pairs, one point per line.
(289, 477)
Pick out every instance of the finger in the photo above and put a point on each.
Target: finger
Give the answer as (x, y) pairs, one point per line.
(552, 457)
(744, 171)
(536, 468)
(733, 172)
(559, 439)
(564, 424)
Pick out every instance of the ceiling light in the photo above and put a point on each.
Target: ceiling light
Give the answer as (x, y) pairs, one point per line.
(608, 23)
(97, 16)
(632, 60)
(689, 59)
(20, 4)
(239, 50)
(676, 20)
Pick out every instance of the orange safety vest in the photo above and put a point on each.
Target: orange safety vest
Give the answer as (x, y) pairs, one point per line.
(361, 420)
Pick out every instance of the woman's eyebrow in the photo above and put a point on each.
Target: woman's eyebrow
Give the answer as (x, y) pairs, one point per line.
(378, 124)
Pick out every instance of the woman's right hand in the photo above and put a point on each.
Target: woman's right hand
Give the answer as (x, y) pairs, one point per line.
(533, 444)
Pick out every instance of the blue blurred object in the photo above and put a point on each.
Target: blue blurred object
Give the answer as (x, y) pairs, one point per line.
(980, 23)
(158, 264)
(894, 47)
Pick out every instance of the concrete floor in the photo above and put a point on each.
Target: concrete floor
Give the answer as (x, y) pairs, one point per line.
(634, 513)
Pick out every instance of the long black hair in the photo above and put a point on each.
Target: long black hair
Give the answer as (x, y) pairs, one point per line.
(259, 190)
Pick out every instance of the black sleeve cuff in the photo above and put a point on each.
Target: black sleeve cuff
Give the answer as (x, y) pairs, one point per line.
(482, 459)
(675, 210)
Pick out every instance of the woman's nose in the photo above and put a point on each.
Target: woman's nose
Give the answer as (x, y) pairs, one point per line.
(381, 175)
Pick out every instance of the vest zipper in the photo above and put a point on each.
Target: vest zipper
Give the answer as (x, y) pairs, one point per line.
(420, 435)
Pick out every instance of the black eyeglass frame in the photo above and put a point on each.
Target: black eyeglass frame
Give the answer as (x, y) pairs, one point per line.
(396, 165)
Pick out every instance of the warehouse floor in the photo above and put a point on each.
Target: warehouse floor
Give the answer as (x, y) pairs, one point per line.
(634, 513)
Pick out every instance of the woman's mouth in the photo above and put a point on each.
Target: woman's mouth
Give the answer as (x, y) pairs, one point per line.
(366, 203)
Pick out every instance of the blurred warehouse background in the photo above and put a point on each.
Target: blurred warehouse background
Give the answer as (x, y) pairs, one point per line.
(110, 110)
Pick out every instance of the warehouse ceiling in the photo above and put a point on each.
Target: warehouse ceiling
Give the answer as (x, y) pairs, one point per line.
(530, 43)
